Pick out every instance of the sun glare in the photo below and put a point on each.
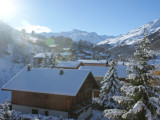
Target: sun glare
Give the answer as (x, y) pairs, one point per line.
(7, 9)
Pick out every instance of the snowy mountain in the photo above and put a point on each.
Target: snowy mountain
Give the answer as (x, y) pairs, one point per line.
(77, 35)
(134, 35)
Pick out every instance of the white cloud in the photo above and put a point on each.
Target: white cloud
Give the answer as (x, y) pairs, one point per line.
(36, 28)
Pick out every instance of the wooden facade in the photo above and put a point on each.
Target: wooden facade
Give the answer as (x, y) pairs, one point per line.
(77, 67)
(96, 64)
(74, 105)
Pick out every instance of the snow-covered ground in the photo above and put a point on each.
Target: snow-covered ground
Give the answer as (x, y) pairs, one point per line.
(97, 115)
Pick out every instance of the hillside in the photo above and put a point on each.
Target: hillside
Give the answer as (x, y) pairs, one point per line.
(16, 51)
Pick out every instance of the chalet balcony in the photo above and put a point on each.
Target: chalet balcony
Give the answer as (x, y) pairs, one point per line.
(82, 106)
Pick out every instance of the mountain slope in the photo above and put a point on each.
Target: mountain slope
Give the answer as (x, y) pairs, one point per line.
(134, 35)
(77, 35)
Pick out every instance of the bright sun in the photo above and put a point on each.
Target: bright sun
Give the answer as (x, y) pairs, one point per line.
(7, 9)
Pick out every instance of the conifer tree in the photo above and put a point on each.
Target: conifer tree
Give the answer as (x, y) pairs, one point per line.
(52, 60)
(5, 113)
(141, 100)
(44, 62)
(110, 87)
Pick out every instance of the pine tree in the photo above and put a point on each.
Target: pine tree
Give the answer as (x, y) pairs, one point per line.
(44, 62)
(141, 100)
(5, 113)
(110, 87)
(52, 60)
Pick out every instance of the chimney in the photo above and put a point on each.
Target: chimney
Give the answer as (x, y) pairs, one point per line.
(61, 72)
(29, 67)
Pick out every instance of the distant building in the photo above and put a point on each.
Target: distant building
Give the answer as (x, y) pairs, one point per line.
(67, 55)
(66, 49)
(87, 54)
(103, 63)
(65, 92)
(40, 56)
(38, 59)
(69, 64)
(55, 47)
(98, 72)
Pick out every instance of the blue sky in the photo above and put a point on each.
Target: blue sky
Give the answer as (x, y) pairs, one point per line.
(110, 17)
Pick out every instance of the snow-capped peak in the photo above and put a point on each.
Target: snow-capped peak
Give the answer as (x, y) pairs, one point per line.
(77, 35)
(134, 35)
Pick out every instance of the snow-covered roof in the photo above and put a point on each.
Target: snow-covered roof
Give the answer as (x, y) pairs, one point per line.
(43, 55)
(40, 55)
(66, 54)
(66, 49)
(93, 61)
(49, 81)
(80, 55)
(97, 71)
(122, 73)
(53, 46)
(68, 64)
(88, 52)
(88, 57)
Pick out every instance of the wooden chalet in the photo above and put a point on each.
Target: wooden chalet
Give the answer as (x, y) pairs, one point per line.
(65, 92)
(67, 55)
(69, 64)
(55, 47)
(103, 63)
(40, 56)
(86, 52)
(98, 73)
(38, 59)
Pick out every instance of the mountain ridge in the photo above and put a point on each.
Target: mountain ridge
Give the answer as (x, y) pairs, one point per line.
(77, 35)
(134, 35)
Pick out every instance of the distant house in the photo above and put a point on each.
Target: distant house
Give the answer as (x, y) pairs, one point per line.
(40, 56)
(103, 63)
(69, 64)
(66, 49)
(103, 56)
(54, 92)
(86, 52)
(55, 47)
(98, 72)
(80, 56)
(67, 55)
(38, 59)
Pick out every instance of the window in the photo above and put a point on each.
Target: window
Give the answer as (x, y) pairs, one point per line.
(35, 95)
(34, 111)
(46, 113)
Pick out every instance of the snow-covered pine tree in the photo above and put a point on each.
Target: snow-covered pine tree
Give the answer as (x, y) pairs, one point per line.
(110, 86)
(44, 61)
(5, 113)
(52, 60)
(141, 100)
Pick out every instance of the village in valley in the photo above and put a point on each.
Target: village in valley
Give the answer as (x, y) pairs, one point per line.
(78, 75)
(84, 83)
